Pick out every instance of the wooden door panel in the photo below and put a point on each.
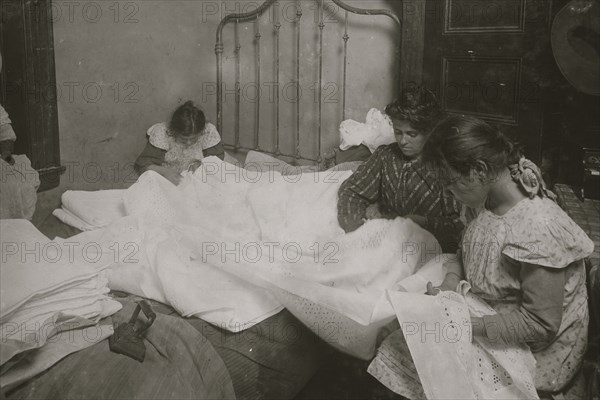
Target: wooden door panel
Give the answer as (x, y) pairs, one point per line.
(28, 84)
(486, 59)
(485, 87)
(468, 16)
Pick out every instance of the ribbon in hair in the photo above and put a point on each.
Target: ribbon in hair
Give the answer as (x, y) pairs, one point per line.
(529, 178)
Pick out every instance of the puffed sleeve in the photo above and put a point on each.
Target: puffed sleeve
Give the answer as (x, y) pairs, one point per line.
(155, 149)
(149, 156)
(554, 241)
(210, 137)
(157, 135)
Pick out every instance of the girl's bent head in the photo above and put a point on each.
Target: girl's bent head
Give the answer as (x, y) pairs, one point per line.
(469, 155)
(466, 144)
(187, 122)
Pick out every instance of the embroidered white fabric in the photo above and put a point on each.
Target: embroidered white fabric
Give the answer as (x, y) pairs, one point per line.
(211, 245)
(438, 332)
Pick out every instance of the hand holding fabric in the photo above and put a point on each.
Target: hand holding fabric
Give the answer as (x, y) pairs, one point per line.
(418, 219)
(194, 165)
(450, 283)
(6, 150)
(373, 212)
(8, 158)
(172, 176)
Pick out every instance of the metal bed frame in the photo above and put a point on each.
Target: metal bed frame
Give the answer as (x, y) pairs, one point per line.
(255, 15)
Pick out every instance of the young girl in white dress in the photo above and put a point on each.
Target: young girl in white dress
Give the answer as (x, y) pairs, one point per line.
(180, 144)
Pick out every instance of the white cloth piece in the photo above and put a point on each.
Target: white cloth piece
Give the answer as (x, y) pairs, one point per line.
(79, 295)
(298, 209)
(94, 208)
(377, 130)
(266, 164)
(334, 279)
(71, 219)
(61, 345)
(234, 245)
(33, 265)
(87, 211)
(36, 331)
(93, 305)
(437, 330)
(169, 270)
(171, 226)
(19, 230)
(47, 287)
(35, 336)
(344, 301)
(228, 158)
(432, 272)
(257, 161)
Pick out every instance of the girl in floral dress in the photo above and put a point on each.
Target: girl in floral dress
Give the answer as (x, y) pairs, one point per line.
(522, 254)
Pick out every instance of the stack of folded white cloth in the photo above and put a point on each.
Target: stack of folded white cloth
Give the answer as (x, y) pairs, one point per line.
(87, 211)
(53, 294)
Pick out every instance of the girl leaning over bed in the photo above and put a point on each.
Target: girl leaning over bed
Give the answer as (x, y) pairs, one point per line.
(522, 254)
(181, 144)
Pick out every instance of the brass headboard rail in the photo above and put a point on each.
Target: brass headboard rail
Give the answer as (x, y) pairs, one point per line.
(254, 15)
(365, 11)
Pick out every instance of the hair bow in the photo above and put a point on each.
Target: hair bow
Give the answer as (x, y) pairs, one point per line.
(529, 178)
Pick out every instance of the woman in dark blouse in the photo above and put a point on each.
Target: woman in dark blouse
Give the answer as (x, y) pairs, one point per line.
(395, 179)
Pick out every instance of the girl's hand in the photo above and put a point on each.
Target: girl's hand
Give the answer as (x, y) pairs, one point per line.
(373, 212)
(173, 176)
(7, 156)
(431, 290)
(418, 219)
(194, 165)
(450, 282)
